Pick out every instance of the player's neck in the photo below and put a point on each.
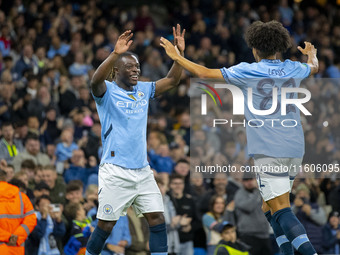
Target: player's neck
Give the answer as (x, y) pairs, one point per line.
(269, 58)
(122, 85)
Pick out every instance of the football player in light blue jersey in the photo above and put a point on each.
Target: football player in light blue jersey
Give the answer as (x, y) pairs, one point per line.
(125, 178)
(270, 146)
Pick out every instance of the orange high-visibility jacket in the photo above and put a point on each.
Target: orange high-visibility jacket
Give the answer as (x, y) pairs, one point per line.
(17, 217)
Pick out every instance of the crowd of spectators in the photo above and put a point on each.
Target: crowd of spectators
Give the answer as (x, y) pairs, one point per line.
(51, 134)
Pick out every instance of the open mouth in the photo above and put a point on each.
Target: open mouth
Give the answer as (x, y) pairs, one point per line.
(134, 77)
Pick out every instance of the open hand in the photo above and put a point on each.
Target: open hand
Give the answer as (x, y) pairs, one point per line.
(179, 38)
(170, 50)
(308, 50)
(123, 43)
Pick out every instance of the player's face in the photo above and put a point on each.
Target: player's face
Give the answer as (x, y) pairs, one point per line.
(129, 70)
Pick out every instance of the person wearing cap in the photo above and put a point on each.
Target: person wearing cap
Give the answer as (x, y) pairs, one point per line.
(331, 234)
(229, 245)
(17, 218)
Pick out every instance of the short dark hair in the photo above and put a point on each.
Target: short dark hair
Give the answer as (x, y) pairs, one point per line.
(182, 161)
(71, 210)
(74, 186)
(6, 124)
(28, 163)
(42, 197)
(18, 183)
(268, 38)
(176, 176)
(31, 136)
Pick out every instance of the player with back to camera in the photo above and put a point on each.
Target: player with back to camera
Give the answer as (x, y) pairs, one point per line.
(125, 177)
(270, 146)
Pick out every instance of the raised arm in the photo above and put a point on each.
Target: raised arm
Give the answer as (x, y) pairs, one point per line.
(195, 69)
(98, 86)
(312, 60)
(174, 75)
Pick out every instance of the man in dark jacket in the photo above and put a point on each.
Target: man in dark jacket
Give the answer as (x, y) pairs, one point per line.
(331, 234)
(311, 215)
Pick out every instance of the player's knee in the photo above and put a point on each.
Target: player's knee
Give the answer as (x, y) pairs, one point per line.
(155, 218)
(107, 226)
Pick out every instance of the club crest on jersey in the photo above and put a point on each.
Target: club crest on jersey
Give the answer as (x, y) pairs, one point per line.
(140, 94)
(107, 209)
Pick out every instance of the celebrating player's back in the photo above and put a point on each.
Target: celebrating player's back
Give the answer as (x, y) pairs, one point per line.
(270, 146)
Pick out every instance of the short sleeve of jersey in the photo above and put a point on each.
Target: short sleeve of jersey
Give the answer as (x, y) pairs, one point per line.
(302, 70)
(103, 99)
(236, 74)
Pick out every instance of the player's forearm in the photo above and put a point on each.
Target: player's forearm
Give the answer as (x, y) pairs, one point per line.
(175, 73)
(313, 62)
(104, 69)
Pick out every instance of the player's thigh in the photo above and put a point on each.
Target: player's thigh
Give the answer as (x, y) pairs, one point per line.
(149, 198)
(116, 192)
(272, 182)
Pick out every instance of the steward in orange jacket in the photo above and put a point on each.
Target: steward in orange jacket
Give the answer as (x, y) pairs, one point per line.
(17, 218)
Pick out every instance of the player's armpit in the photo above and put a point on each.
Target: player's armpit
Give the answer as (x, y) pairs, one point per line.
(98, 90)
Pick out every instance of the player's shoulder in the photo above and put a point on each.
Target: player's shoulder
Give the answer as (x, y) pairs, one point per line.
(145, 85)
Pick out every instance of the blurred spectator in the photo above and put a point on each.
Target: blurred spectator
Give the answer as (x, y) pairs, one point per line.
(251, 223)
(311, 215)
(79, 67)
(41, 189)
(212, 221)
(229, 243)
(23, 177)
(74, 192)
(32, 151)
(143, 19)
(119, 238)
(57, 47)
(28, 167)
(65, 148)
(18, 219)
(154, 68)
(331, 234)
(55, 183)
(80, 231)
(139, 231)
(78, 169)
(222, 188)
(26, 62)
(50, 227)
(182, 168)
(9, 146)
(172, 220)
(5, 40)
(185, 208)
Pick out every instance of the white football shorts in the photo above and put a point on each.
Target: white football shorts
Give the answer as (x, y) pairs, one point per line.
(119, 188)
(275, 176)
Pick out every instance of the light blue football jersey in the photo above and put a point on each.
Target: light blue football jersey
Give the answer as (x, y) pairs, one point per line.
(123, 117)
(271, 139)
